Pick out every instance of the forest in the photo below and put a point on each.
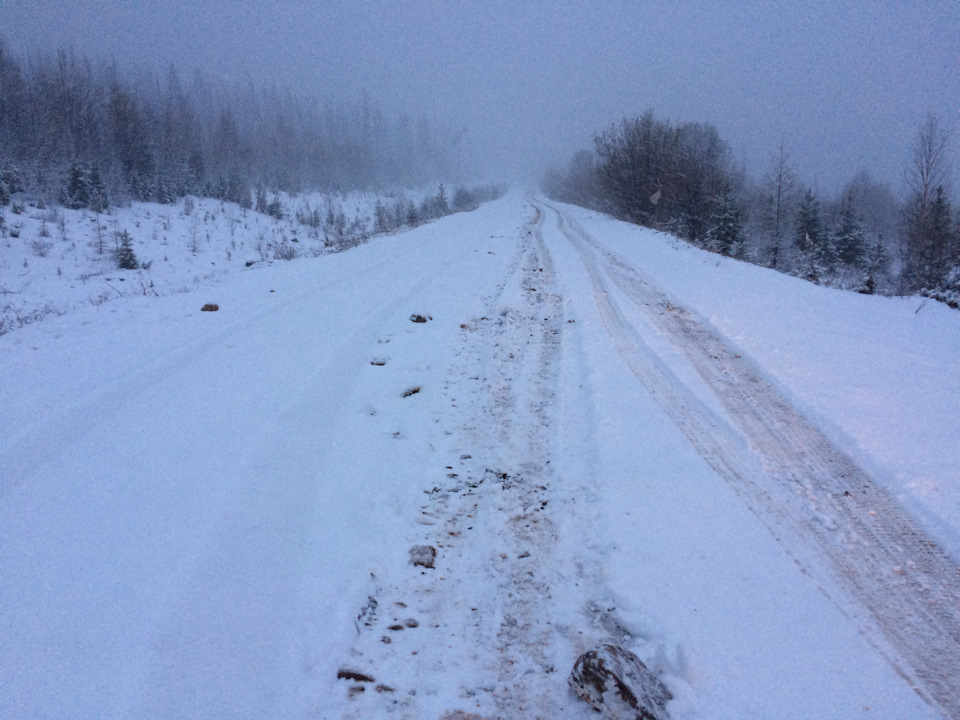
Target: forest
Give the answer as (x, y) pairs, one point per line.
(681, 177)
(86, 135)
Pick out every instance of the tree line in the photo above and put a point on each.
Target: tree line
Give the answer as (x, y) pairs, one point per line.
(682, 178)
(89, 136)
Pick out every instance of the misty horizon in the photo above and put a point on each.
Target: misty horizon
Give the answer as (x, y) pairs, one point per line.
(844, 85)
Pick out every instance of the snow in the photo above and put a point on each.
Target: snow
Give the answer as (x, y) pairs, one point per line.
(210, 514)
(881, 374)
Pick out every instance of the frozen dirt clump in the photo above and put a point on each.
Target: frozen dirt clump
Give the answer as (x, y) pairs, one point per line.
(423, 555)
(347, 674)
(616, 684)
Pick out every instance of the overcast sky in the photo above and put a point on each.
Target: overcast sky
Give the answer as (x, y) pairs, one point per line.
(845, 83)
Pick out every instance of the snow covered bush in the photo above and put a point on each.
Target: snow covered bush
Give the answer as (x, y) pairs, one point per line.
(284, 251)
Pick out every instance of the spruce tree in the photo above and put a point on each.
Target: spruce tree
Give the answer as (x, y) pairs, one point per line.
(440, 205)
(726, 235)
(275, 209)
(76, 195)
(99, 201)
(126, 258)
(808, 229)
(381, 221)
(878, 265)
(816, 256)
(261, 203)
(940, 240)
(162, 192)
(848, 236)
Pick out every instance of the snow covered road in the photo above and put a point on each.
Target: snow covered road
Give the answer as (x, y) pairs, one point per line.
(904, 589)
(309, 505)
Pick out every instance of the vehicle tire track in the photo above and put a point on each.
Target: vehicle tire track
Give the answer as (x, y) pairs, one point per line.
(489, 621)
(808, 493)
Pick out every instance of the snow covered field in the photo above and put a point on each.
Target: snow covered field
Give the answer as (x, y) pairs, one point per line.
(604, 434)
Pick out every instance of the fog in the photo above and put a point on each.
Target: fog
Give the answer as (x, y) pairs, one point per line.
(844, 84)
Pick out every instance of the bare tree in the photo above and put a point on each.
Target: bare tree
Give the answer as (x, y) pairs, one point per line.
(663, 175)
(926, 234)
(927, 168)
(781, 185)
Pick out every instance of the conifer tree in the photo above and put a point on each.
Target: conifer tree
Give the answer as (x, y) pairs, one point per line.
(808, 228)
(275, 209)
(76, 194)
(381, 222)
(726, 235)
(126, 258)
(99, 201)
(440, 205)
(878, 264)
(816, 256)
(848, 239)
(941, 243)
(261, 206)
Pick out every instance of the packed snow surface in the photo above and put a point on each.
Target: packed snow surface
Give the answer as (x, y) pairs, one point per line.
(418, 478)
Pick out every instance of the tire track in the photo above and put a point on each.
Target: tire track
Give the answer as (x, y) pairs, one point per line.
(808, 493)
(487, 629)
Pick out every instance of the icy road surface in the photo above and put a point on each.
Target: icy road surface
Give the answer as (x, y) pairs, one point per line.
(212, 515)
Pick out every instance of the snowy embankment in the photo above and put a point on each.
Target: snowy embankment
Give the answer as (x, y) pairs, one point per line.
(211, 514)
(54, 260)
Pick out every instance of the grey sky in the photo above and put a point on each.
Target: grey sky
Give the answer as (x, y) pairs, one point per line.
(846, 83)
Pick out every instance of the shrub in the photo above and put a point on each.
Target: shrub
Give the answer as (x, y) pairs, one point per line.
(40, 247)
(275, 209)
(284, 252)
